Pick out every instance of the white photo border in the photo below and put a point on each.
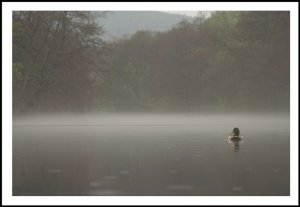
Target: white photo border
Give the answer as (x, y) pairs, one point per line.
(8, 199)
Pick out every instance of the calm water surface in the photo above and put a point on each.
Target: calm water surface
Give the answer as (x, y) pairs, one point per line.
(151, 155)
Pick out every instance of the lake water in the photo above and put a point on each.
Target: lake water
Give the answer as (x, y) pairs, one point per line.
(155, 155)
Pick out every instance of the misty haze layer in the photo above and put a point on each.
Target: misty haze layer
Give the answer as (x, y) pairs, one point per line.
(247, 122)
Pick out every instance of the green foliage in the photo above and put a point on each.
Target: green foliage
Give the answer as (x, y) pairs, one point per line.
(17, 69)
(230, 61)
(17, 28)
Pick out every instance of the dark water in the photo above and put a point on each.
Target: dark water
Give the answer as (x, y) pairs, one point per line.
(151, 155)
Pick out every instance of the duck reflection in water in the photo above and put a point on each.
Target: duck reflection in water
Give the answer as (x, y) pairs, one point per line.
(236, 146)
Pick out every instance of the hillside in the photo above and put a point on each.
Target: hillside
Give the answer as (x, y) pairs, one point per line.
(125, 23)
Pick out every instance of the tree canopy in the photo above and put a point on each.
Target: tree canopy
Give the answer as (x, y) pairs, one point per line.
(230, 61)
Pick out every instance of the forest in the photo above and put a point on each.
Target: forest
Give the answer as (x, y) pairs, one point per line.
(231, 61)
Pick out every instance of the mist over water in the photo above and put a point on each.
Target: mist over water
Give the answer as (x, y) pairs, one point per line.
(150, 154)
(153, 119)
(163, 123)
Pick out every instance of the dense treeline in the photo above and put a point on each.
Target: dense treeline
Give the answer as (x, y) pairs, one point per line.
(231, 61)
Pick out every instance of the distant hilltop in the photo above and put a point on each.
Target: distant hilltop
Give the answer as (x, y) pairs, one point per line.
(118, 24)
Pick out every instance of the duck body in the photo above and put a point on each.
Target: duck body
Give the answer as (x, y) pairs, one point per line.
(235, 139)
(235, 135)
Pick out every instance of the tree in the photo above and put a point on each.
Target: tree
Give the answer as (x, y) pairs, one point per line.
(55, 50)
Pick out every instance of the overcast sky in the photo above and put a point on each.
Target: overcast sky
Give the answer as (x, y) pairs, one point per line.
(188, 13)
